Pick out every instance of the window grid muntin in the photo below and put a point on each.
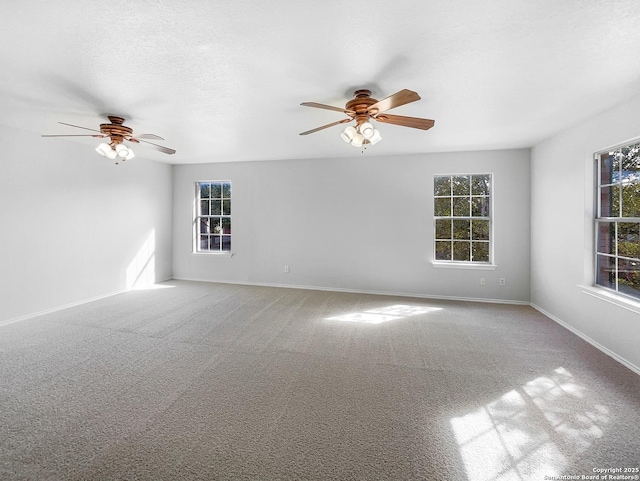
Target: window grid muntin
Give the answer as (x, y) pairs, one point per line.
(212, 236)
(470, 241)
(624, 283)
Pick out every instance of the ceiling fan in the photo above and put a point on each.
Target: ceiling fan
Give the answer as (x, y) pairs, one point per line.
(117, 132)
(362, 108)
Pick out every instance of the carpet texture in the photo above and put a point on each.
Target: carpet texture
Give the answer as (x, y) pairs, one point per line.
(215, 381)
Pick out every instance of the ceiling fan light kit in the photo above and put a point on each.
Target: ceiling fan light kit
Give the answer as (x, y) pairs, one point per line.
(363, 134)
(117, 133)
(362, 108)
(119, 151)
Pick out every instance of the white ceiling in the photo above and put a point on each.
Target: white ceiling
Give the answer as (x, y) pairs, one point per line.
(223, 80)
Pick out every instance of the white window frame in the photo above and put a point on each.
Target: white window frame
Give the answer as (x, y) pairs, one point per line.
(222, 233)
(613, 292)
(468, 264)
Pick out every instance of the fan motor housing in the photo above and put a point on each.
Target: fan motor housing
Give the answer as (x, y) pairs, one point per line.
(116, 130)
(360, 104)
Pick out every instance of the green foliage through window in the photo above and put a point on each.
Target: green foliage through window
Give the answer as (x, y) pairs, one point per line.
(461, 210)
(213, 219)
(618, 220)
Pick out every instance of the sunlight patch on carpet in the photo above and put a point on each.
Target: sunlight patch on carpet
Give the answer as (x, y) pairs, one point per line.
(384, 314)
(523, 434)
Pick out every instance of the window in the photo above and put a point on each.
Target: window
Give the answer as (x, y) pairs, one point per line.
(462, 213)
(618, 220)
(213, 216)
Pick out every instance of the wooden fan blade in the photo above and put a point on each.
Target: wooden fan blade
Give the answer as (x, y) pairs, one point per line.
(166, 150)
(325, 126)
(327, 107)
(148, 136)
(396, 100)
(413, 122)
(78, 127)
(75, 135)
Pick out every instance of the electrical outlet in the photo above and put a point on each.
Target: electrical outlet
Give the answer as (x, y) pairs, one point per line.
(503, 281)
(482, 281)
(286, 269)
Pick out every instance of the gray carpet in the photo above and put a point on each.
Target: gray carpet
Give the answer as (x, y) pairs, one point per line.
(214, 381)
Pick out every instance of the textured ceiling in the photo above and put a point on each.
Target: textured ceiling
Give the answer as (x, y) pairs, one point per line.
(223, 80)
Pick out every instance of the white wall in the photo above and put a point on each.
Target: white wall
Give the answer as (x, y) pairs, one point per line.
(562, 229)
(74, 226)
(362, 223)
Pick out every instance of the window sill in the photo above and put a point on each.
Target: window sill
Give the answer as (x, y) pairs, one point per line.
(612, 298)
(216, 254)
(464, 265)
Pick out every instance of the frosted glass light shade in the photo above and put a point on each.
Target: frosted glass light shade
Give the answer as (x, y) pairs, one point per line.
(103, 149)
(112, 154)
(366, 129)
(348, 134)
(122, 150)
(357, 140)
(130, 155)
(376, 137)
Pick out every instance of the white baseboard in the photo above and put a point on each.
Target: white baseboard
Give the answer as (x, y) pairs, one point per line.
(59, 308)
(358, 291)
(595, 344)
